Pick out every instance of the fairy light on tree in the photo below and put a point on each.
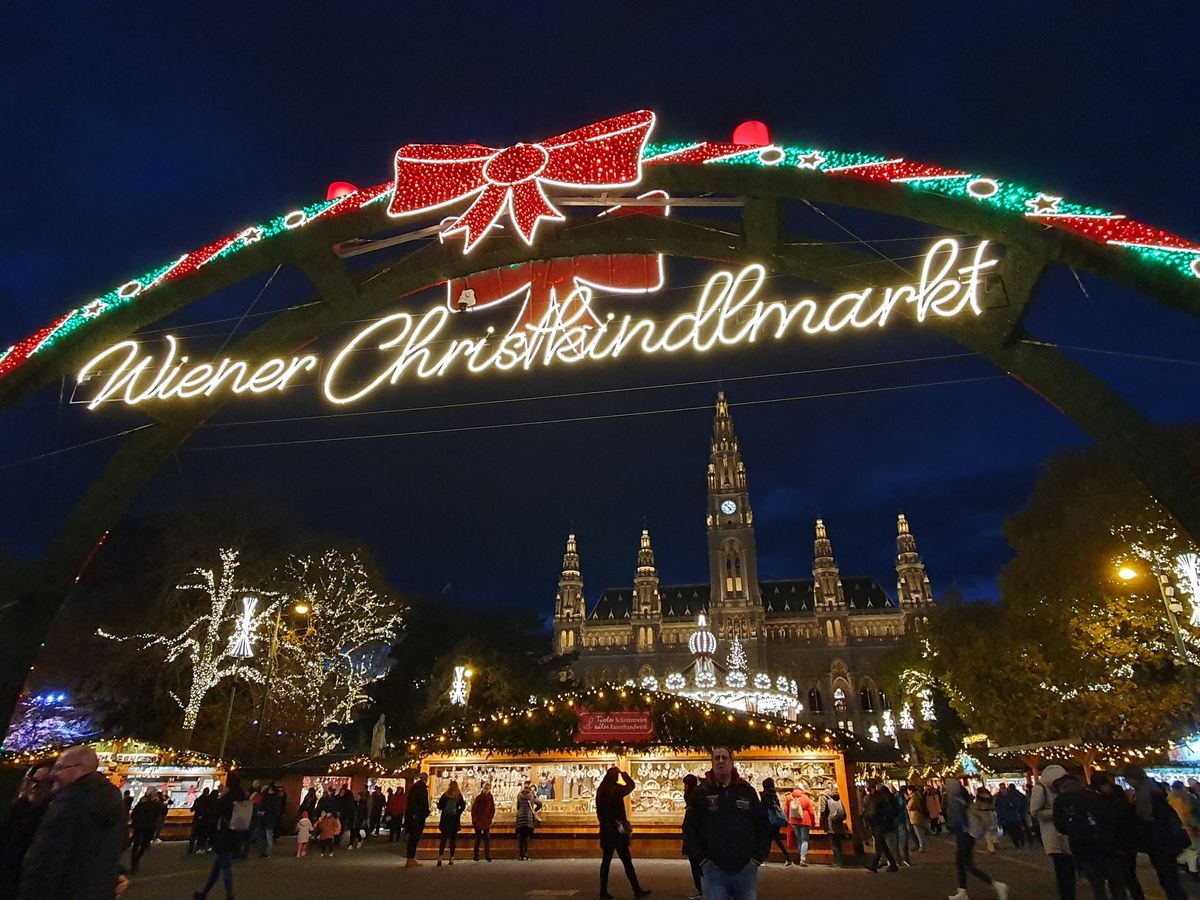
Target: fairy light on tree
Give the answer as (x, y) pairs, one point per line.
(343, 648)
(206, 644)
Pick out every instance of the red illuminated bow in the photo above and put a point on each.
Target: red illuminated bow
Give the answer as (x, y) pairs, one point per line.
(606, 154)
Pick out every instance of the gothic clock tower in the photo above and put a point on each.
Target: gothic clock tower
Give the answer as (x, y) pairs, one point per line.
(736, 606)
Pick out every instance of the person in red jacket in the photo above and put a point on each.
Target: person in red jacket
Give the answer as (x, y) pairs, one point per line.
(483, 810)
(802, 816)
(396, 806)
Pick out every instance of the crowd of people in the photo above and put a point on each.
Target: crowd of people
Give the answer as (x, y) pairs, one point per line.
(66, 834)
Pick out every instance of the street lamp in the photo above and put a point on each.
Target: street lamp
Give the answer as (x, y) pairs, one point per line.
(241, 647)
(300, 608)
(1173, 607)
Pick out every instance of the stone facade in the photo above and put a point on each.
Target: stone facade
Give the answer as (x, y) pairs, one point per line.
(827, 632)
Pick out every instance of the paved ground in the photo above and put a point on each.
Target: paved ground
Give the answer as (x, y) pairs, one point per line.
(376, 872)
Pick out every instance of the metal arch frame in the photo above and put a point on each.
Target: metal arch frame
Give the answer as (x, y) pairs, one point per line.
(998, 335)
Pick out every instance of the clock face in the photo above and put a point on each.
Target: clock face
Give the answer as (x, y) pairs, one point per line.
(729, 507)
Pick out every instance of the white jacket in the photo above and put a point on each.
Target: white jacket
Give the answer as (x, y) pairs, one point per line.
(1041, 807)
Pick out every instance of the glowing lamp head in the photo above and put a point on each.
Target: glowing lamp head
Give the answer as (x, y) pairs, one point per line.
(339, 189)
(302, 609)
(1127, 573)
(752, 132)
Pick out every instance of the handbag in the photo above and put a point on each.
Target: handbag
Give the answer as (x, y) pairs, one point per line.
(776, 817)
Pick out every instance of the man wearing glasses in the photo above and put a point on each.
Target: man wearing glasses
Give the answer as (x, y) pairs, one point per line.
(76, 851)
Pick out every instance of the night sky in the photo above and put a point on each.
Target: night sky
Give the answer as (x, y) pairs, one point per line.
(132, 136)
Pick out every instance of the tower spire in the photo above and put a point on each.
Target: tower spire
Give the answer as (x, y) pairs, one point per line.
(569, 611)
(647, 603)
(827, 580)
(912, 581)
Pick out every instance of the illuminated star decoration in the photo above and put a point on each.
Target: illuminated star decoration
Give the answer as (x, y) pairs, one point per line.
(874, 732)
(607, 154)
(251, 235)
(458, 689)
(927, 712)
(1043, 204)
(1188, 565)
(906, 718)
(889, 727)
(93, 309)
(811, 160)
(243, 635)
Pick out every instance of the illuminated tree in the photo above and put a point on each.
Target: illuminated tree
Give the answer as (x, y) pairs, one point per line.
(1070, 650)
(204, 644)
(47, 720)
(737, 661)
(350, 623)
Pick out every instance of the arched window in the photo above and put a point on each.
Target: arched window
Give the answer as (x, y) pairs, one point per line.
(866, 701)
(884, 703)
(815, 704)
(839, 700)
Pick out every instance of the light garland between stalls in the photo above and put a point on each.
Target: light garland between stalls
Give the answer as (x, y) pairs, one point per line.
(115, 747)
(680, 723)
(1154, 246)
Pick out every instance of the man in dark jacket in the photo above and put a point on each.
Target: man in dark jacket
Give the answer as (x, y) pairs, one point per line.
(415, 816)
(144, 820)
(76, 852)
(20, 825)
(1089, 824)
(726, 828)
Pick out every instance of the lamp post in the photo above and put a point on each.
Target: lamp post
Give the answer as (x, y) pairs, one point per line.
(241, 647)
(300, 608)
(1173, 607)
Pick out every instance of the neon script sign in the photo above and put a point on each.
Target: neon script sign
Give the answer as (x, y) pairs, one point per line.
(728, 312)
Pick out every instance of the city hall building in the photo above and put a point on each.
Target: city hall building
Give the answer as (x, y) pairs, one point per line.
(820, 638)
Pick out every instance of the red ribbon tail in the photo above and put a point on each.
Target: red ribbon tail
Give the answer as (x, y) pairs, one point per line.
(529, 204)
(481, 215)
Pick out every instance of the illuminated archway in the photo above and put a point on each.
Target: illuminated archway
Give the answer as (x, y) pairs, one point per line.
(1036, 230)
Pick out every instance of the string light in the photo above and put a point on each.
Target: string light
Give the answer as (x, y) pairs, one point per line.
(1154, 246)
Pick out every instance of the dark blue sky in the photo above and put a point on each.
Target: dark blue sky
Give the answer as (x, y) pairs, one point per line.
(133, 135)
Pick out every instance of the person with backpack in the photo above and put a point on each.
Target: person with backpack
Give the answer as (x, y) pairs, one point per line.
(1087, 821)
(1054, 842)
(451, 806)
(880, 814)
(833, 820)
(960, 821)
(775, 816)
(801, 816)
(1161, 835)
